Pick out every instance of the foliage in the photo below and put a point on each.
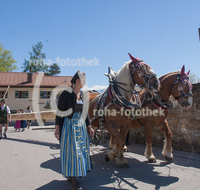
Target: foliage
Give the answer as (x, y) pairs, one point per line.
(6, 60)
(54, 70)
(194, 78)
(36, 62)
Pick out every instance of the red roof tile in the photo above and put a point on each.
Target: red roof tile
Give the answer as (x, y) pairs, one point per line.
(20, 79)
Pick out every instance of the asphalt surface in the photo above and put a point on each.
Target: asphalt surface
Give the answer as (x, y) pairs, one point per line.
(30, 160)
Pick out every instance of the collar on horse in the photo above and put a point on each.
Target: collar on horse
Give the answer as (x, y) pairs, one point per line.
(120, 101)
(159, 102)
(115, 95)
(156, 100)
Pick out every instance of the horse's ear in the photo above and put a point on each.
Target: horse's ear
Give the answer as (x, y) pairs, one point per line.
(182, 71)
(133, 58)
(188, 72)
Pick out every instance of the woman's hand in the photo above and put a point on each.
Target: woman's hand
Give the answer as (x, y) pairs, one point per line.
(91, 130)
(57, 132)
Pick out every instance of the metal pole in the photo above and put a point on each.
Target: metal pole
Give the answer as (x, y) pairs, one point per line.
(199, 33)
(6, 92)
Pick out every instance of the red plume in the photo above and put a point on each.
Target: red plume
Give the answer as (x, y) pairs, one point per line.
(133, 58)
(188, 72)
(182, 71)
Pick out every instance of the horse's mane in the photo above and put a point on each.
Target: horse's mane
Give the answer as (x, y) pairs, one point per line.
(172, 73)
(124, 76)
(168, 74)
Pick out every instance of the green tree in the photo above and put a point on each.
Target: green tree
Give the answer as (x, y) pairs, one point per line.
(6, 60)
(54, 69)
(36, 61)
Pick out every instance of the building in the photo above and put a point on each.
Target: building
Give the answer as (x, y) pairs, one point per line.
(32, 89)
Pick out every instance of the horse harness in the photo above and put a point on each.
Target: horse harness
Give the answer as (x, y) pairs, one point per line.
(114, 94)
(136, 66)
(116, 99)
(180, 87)
(159, 102)
(156, 99)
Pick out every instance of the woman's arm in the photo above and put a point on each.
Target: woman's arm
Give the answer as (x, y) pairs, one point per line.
(89, 126)
(87, 120)
(62, 102)
(57, 132)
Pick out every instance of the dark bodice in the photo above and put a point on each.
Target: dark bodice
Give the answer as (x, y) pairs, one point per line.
(78, 107)
(66, 101)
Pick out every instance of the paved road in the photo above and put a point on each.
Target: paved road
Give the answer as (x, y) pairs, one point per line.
(29, 160)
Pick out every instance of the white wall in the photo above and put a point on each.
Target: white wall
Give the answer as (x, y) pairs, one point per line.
(32, 100)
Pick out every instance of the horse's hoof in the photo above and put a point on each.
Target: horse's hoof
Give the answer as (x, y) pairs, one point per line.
(124, 165)
(152, 160)
(107, 158)
(168, 159)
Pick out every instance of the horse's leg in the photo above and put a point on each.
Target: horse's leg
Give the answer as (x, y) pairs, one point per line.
(120, 147)
(117, 151)
(112, 142)
(123, 133)
(111, 154)
(149, 139)
(167, 148)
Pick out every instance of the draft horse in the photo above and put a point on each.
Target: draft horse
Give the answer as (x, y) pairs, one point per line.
(119, 94)
(175, 84)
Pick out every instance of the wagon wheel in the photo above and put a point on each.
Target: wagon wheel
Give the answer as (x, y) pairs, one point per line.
(97, 136)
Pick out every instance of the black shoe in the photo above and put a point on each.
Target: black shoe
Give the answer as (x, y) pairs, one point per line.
(5, 135)
(0, 137)
(69, 179)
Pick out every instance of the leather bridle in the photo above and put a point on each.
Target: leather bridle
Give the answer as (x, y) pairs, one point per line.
(146, 78)
(180, 87)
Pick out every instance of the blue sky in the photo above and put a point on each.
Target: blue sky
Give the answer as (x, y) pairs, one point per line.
(162, 33)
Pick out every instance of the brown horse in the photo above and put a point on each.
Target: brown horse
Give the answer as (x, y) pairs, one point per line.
(176, 84)
(133, 72)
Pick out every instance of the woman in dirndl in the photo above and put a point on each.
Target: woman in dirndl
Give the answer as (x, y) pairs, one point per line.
(72, 122)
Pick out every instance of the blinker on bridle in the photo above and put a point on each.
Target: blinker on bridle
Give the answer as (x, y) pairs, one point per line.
(180, 88)
(146, 78)
(135, 65)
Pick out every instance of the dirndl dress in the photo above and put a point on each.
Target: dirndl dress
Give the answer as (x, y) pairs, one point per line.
(74, 147)
(18, 124)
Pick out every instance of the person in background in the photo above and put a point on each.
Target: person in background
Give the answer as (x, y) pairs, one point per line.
(18, 123)
(71, 130)
(5, 118)
(23, 122)
(28, 122)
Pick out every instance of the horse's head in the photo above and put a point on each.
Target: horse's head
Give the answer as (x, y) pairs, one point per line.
(182, 89)
(143, 75)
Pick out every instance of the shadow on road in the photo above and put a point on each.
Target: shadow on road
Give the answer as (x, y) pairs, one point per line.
(182, 158)
(36, 142)
(109, 174)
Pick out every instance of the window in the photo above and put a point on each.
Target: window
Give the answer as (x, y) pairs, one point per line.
(45, 94)
(2, 94)
(21, 94)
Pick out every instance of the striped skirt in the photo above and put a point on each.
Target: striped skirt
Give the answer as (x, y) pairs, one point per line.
(74, 148)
